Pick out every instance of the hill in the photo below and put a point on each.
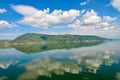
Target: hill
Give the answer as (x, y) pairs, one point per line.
(43, 38)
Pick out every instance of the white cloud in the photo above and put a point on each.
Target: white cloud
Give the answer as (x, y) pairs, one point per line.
(108, 18)
(92, 24)
(5, 24)
(90, 18)
(45, 18)
(3, 10)
(81, 22)
(116, 4)
(84, 3)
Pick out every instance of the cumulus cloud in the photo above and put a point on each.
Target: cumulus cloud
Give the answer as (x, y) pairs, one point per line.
(116, 4)
(5, 24)
(3, 10)
(44, 18)
(84, 3)
(92, 24)
(90, 18)
(108, 18)
(78, 22)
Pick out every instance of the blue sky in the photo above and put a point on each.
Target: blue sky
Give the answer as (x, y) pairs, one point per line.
(81, 17)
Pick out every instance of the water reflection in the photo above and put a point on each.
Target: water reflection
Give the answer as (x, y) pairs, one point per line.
(118, 76)
(33, 48)
(98, 62)
(45, 67)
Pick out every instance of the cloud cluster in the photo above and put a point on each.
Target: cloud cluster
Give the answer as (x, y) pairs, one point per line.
(84, 3)
(3, 10)
(116, 4)
(43, 18)
(91, 23)
(5, 24)
(84, 22)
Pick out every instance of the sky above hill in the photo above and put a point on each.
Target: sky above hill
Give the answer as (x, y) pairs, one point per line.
(81, 17)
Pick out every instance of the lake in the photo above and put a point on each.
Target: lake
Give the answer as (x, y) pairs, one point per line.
(71, 61)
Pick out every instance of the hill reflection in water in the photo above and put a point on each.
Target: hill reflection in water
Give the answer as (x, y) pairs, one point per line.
(100, 62)
(33, 48)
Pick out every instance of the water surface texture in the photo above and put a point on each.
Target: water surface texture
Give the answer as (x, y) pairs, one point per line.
(88, 61)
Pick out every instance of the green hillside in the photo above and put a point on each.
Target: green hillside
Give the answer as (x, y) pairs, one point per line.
(32, 37)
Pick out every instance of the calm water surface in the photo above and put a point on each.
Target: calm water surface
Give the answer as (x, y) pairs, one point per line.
(99, 61)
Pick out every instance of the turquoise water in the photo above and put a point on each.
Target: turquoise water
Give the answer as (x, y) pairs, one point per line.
(54, 62)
